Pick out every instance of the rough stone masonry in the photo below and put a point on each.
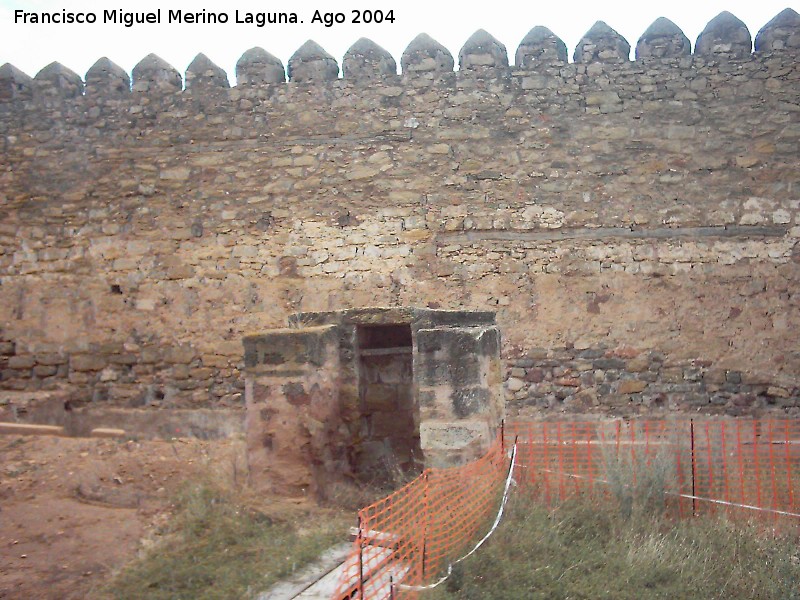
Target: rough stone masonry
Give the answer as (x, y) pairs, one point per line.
(634, 224)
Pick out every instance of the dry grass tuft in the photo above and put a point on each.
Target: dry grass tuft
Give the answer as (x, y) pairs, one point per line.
(217, 546)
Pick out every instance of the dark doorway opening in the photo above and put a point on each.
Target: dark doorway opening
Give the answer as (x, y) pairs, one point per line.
(390, 448)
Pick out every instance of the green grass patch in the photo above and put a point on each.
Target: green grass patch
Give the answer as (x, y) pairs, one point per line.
(590, 547)
(216, 547)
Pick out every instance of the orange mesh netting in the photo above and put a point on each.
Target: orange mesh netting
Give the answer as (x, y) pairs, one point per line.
(410, 537)
(701, 465)
(742, 467)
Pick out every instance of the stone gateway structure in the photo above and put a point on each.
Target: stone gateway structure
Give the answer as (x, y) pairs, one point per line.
(633, 224)
(370, 394)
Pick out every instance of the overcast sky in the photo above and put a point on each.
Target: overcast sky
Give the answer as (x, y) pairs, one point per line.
(31, 47)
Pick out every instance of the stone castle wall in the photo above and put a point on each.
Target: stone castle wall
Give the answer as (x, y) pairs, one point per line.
(635, 224)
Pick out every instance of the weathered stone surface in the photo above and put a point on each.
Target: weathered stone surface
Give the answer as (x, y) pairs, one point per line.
(257, 66)
(87, 362)
(631, 386)
(154, 74)
(540, 46)
(202, 73)
(311, 64)
(289, 348)
(482, 51)
(452, 436)
(107, 78)
(25, 361)
(781, 33)
(648, 205)
(180, 355)
(365, 60)
(602, 44)
(471, 401)
(426, 55)
(57, 80)
(14, 83)
(663, 39)
(725, 36)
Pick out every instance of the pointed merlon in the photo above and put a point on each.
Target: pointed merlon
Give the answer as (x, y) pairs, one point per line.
(602, 44)
(366, 60)
(257, 66)
(14, 83)
(312, 63)
(108, 78)
(425, 55)
(201, 72)
(482, 50)
(725, 36)
(540, 46)
(154, 74)
(782, 32)
(663, 39)
(57, 80)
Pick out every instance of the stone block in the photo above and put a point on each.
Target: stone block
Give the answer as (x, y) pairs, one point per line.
(672, 374)
(286, 347)
(469, 401)
(457, 372)
(180, 355)
(453, 436)
(638, 364)
(201, 373)
(733, 377)
(778, 392)
(452, 355)
(514, 384)
(45, 370)
(51, 359)
(180, 371)
(125, 358)
(87, 362)
(23, 361)
(150, 355)
(107, 432)
(631, 386)
(608, 363)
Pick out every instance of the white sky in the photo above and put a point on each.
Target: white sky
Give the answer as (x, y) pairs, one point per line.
(31, 47)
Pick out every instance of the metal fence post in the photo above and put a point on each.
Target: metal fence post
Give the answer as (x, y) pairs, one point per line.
(425, 519)
(360, 560)
(694, 469)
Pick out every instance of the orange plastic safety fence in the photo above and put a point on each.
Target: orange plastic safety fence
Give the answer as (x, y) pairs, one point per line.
(742, 467)
(738, 466)
(410, 537)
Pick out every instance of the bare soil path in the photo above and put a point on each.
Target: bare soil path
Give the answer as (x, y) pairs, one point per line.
(74, 509)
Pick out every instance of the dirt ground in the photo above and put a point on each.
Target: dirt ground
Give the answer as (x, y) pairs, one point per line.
(74, 509)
